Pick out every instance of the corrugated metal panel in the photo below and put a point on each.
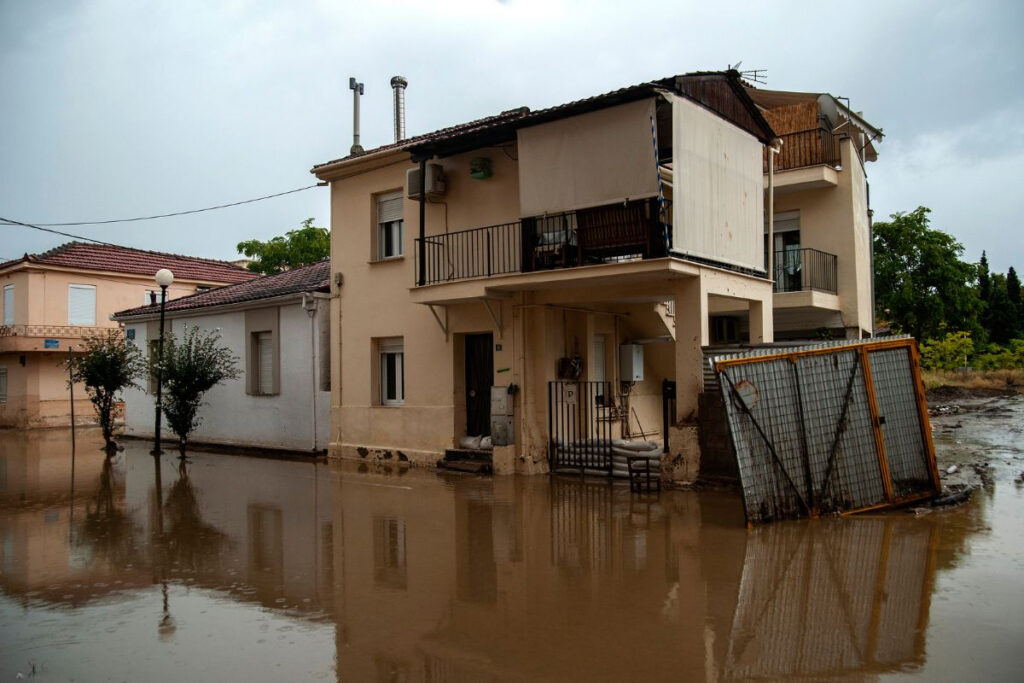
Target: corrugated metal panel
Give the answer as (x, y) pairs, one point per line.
(827, 427)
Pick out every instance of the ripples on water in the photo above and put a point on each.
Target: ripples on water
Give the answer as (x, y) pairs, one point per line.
(248, 568)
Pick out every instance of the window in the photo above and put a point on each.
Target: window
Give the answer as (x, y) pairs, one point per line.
(389, 225)
(263, 347)
(81, 304)
(389, 567)
(8, 304)
(3, 385)
(150, 297)
(392, 371)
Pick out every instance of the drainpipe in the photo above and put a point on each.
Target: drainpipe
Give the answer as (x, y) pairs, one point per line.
(423, 223)
(309, 304)
(772, 151)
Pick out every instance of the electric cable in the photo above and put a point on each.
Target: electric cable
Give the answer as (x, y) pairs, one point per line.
(41, 226)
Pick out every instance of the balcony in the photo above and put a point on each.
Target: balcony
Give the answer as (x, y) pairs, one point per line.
(799, 270)
(605, 234)
(807, 159)
(20, 338)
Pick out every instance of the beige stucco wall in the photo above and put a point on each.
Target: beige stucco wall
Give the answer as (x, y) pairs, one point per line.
(835, 220)
(537, 319)
(37, 391)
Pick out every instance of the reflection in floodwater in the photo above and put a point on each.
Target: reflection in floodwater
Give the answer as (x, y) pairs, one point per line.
(369, 575)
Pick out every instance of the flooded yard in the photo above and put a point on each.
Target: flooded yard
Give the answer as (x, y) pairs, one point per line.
(244, 568)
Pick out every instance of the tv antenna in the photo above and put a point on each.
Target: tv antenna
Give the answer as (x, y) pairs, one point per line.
(759, 76)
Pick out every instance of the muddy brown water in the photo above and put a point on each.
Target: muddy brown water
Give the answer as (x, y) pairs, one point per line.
(238, 568)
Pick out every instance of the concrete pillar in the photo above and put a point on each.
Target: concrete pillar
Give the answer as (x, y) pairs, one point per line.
(683, 461)
(761, 322)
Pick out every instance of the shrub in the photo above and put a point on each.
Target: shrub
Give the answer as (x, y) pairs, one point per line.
(948, 353)
(189, 368)
(108, 366)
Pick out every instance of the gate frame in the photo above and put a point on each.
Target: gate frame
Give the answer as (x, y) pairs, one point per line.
(862, 349)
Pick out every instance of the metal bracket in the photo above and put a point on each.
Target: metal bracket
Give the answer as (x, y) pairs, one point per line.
(443, 324)
(495, 318)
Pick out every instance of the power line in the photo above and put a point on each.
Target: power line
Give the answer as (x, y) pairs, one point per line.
(10, 221)
(162, 215)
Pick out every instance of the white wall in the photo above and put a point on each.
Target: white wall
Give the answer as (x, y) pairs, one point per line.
(230, 416)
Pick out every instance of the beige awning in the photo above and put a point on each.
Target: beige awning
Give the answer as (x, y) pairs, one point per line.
(597, 158)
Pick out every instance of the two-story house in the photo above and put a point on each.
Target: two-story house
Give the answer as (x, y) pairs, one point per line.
(537, 277)
(821, 239)
(51, 301)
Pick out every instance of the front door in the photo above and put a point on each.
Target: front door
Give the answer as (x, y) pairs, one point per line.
(479, 376)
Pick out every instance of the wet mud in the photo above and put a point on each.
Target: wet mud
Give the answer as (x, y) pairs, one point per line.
(243, 568)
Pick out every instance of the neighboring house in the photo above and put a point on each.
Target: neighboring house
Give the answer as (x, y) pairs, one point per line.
(277, 326)
(822, 240)
(54, 299)
(591, 241)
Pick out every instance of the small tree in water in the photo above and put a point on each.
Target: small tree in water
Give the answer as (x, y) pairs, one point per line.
(108, 366)
(190, 367)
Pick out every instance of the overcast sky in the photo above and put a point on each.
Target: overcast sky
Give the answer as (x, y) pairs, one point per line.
(115, 109)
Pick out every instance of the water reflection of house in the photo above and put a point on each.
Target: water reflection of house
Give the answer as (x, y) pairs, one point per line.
(61, 536)
(669, 587)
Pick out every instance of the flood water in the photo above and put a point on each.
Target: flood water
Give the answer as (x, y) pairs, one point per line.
(243, 568)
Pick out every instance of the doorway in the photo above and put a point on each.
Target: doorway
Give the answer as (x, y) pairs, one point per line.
(479, 377)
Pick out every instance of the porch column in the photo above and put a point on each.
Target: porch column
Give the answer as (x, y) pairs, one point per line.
(691, 303)
(761, 322)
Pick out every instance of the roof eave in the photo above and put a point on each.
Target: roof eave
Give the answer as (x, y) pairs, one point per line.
(211, 309)
(354, 165)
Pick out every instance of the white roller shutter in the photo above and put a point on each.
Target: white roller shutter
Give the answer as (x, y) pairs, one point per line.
(8, 304)
(265, 354)
(389, 208)
(81, 305)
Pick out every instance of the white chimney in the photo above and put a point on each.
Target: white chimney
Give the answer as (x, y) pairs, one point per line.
(357, 90)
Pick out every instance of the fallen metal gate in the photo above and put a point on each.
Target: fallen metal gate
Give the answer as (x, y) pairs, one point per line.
(580, 427)
(828, 428)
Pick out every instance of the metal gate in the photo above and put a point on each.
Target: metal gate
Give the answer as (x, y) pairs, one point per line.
(836, 428)
(580, 427)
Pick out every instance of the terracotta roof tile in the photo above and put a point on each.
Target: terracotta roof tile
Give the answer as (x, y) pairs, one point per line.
(137, 262)
(309, 278)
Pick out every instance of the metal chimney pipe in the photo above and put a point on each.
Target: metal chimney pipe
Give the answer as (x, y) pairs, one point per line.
(357, 90)
(398, 84)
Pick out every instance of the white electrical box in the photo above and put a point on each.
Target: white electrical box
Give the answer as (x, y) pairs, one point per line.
(501, 401)
(631, 363)
(434, 183)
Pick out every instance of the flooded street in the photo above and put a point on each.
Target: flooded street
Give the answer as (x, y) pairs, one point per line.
(235, 568)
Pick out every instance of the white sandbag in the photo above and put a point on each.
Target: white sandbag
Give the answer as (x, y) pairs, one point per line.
(471, 443)
(486, 443)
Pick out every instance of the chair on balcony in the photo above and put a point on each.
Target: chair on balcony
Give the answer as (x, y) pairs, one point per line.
(556, 243)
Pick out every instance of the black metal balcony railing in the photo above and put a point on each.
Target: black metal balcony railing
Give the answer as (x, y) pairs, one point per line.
(562, 240)
(802, 269)
(480, 252)
(806, 148)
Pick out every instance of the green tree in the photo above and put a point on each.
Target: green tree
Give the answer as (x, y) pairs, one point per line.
(1001, 316)
(300, 247)
(949, 353)
(108, 366)
(921, 284)
(190, 367)
(1013, 294)
(984, 282)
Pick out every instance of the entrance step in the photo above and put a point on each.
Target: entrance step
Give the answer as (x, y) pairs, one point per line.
(465, 460)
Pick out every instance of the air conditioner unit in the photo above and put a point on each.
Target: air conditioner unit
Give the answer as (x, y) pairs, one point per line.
(434, 184)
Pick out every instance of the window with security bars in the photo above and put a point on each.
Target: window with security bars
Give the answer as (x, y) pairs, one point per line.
(391, 356)
(389, 225)
(3, 385)
(8, 304)
(82, 305)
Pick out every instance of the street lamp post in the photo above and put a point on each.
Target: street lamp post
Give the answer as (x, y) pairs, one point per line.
(164, 278)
